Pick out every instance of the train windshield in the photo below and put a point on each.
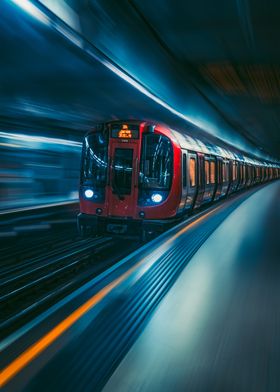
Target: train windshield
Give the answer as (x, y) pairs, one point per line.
(122, 175)
(95, 159)
(156, 163)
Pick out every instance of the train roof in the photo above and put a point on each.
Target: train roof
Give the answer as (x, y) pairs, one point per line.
(202, 144)
(194, 144)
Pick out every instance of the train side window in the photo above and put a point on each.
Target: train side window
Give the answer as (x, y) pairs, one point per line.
(212, 172)
(206, 170)
(225, 171)
(192, 172)
(234, 171)
(184, 170)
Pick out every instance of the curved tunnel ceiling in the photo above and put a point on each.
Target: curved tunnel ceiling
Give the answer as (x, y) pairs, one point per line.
(217, 66)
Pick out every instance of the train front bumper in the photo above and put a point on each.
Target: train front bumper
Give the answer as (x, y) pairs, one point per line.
(122, 226)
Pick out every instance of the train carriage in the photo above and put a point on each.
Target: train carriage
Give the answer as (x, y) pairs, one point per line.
(138, 178)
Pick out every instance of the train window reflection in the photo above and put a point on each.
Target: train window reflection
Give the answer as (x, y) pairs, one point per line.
(212, 172)
(122, 175)
(95, 157)
(192, 172)
(156, 163)
(234, 171)
(206, 169)
(184, 170)
(225, 171)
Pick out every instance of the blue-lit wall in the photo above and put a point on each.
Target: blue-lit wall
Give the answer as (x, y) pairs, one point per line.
(37, 170)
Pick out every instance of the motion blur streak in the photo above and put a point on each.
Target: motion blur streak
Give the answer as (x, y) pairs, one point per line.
(32, 352)
(74, 37)
(146, 92)
(39, 139)
(31, 9)
(37, 170)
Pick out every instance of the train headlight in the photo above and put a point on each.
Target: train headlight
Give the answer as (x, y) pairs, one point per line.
(88, 193)
(156, 198)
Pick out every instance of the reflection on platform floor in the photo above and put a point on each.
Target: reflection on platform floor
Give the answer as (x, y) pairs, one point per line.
(218, 328)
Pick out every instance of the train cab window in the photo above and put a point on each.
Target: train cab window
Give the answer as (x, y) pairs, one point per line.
(212, 172)
(184, 170)
(225, 171)
(95, 159)
(192, 172)
(122, 171)
(206, 170)
(156, 167)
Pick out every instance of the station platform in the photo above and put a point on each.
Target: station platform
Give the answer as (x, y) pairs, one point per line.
(197, 309)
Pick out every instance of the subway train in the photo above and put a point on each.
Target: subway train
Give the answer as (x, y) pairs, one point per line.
(138, 178)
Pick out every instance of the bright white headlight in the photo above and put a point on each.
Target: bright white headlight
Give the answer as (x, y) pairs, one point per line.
(89, 193)
(156, 197)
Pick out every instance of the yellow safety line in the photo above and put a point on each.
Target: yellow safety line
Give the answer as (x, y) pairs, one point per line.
(33, 351)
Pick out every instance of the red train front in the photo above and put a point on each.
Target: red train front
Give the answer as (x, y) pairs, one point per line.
(130, 179)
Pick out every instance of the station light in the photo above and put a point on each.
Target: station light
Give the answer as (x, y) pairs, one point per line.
(89, 193)
(156, 198)
(32, 9)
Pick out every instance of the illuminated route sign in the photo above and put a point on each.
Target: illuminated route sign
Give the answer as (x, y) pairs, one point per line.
(125, 131)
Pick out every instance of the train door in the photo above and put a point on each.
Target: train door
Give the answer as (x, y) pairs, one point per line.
(219, 182)
(200, 180)
(123, 191)
(233, 176)
(244, 175)
(183, 204)
(209, 178)
(240, 175)
(261, 174)
(192, 179)
(225, 177)
(248, 175)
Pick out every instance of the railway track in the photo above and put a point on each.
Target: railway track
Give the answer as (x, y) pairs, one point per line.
(43, 269)
(29, 287)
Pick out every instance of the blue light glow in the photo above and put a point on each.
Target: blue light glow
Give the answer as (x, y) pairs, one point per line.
(32, 141)
(31, 9)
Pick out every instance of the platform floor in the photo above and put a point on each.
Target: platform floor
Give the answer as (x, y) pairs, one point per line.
(218, 328)
(196, 311)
